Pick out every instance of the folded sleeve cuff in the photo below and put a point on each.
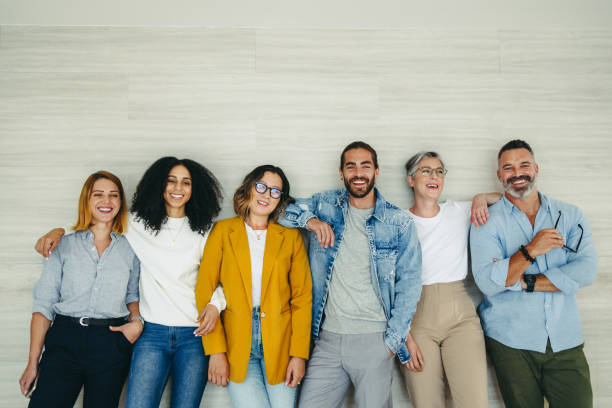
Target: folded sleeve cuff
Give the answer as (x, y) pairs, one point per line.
(43, 309)
(564, 283)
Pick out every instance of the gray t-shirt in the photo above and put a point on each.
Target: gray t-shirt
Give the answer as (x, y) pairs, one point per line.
(352, 307)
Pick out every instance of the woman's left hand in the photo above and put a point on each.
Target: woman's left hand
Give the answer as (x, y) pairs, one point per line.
(131, 331)
(295, 371)
(480, 210)
(208, 319)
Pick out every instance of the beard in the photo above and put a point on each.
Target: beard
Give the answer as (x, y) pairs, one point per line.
(369, 185)
(523, 191)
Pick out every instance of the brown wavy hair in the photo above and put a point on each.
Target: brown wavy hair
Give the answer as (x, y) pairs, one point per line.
(242, 196)
(84, 217)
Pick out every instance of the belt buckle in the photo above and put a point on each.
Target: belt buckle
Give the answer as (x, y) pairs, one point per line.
(82, 321)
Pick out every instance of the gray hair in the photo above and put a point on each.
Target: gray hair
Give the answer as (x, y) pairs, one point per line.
(413, 163)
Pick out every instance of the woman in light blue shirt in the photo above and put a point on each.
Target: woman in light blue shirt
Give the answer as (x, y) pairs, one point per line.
(86, 306)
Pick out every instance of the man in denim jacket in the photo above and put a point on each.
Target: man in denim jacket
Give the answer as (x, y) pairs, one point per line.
(366, 272)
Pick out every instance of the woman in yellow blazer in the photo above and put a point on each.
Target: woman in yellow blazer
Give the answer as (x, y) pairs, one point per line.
(263, 340)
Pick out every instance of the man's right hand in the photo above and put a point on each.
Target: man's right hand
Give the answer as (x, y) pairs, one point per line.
(324, 233)
(218, 369)
(544, 241)
(47, 243)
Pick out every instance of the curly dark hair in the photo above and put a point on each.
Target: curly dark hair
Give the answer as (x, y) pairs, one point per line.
(148, 202)
(242, 196)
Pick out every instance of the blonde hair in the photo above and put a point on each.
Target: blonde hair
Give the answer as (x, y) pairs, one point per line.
(84, 217)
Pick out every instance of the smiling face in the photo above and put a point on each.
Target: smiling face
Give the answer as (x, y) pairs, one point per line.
(178, 188)
(427, 187)
(262, 204)
(358, 173)
(104, 201)
(517, 171)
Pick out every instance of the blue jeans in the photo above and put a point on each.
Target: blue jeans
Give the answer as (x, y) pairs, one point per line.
(255, 390)
(161, 351)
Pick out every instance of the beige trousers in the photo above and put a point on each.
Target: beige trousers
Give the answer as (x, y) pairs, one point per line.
(448, 332)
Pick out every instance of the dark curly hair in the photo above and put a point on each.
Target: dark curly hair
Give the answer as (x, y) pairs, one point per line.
(148, 202)
(242, 196)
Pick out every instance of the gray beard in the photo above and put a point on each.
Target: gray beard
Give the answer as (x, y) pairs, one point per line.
(508, 188)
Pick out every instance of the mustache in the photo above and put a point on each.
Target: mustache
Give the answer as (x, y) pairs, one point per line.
(513, 179)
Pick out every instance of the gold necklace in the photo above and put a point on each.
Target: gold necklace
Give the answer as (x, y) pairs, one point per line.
(261, 234)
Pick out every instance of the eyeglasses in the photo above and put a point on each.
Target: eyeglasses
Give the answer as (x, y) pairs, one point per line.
(261, 188)
(579, 240)
(428, 171)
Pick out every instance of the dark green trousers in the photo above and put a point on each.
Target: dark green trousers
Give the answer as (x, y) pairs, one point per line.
(526, 377)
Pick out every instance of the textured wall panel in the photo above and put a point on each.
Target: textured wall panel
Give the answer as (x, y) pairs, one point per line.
(77, 99)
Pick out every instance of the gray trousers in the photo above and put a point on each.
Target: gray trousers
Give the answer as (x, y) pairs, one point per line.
(341, 359)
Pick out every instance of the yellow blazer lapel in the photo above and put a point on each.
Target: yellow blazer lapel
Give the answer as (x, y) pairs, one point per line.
(240, 246)
(274, 240)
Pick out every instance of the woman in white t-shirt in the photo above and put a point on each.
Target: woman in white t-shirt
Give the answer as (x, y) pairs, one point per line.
(446, 338)
(172, 211)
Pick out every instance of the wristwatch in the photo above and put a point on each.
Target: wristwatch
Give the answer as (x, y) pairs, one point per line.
(530, 280)
(139, 318)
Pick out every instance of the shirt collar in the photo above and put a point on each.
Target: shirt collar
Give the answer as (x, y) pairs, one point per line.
(545, 204)
(88, 235)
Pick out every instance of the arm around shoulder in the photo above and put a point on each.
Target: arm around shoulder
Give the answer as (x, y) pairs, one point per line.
(296, 215)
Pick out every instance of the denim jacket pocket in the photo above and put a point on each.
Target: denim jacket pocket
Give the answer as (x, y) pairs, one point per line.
(386, 259)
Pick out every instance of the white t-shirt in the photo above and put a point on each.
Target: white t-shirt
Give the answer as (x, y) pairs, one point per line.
(169, 264)
(444, 240)
(257, 247)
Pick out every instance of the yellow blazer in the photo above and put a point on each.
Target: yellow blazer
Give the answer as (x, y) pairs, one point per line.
(286, 297)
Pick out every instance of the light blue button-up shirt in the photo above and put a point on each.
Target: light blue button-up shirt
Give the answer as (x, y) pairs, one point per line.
(76, 282)
(513, 316)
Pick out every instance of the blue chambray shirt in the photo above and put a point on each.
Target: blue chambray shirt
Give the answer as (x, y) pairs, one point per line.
(76, 282)
(513, 316)
(395, 254)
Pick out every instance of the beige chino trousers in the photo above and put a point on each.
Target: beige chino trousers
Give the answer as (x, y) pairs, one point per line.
(448, 332)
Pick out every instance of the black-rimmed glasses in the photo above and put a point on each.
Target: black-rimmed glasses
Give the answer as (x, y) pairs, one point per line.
(579, 240)
(261, 188)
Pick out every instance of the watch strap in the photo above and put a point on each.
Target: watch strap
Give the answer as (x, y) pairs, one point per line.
(139, 318)
(530, 281)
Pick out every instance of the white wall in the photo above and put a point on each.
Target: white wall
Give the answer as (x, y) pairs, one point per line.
(77, 99)
(324, 14)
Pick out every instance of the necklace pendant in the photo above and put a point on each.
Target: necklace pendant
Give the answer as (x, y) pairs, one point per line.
(258, 237)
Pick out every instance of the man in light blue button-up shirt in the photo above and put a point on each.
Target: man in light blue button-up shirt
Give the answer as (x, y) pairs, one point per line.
(529, 260)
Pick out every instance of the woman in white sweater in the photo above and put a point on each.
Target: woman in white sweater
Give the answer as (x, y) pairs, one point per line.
(172, 211)
(445, 337)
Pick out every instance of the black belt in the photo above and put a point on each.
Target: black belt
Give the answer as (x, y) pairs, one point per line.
(87, 321)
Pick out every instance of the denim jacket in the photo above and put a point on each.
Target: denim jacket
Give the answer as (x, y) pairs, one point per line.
(395, 255)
